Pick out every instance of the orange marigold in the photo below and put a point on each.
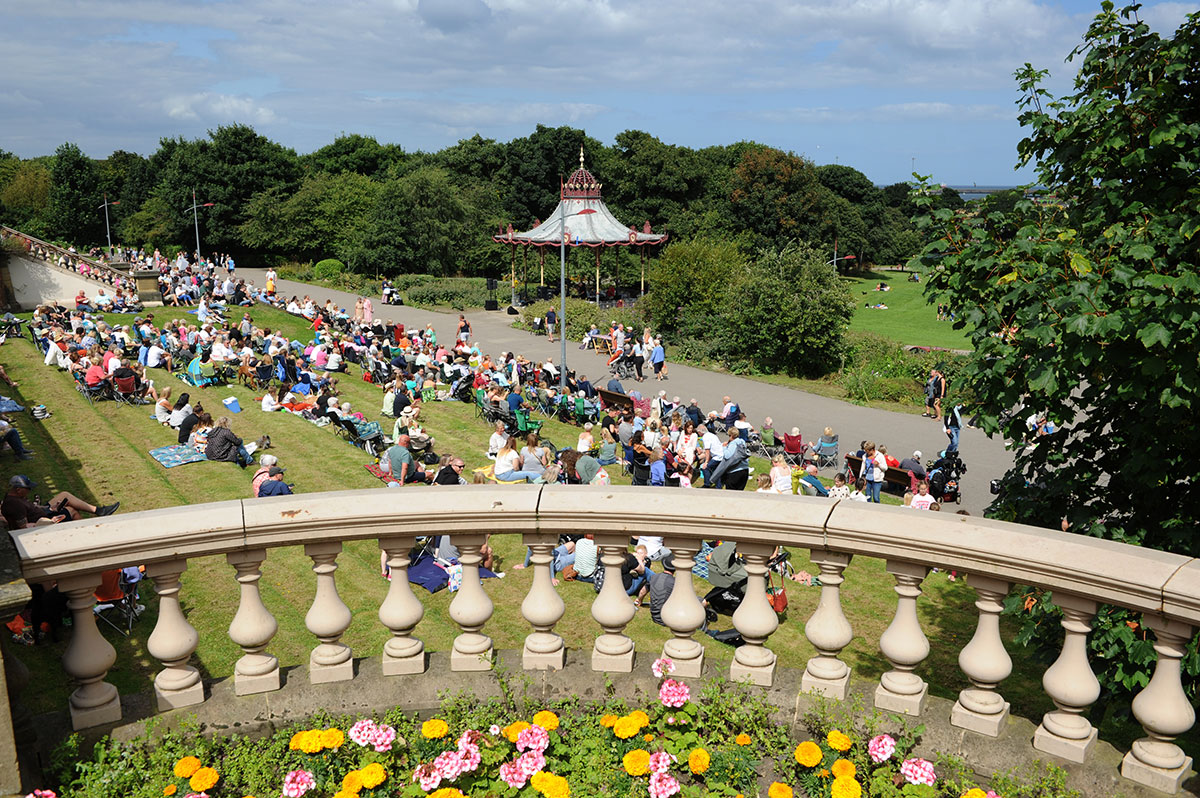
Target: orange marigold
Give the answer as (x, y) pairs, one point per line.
(352, 782)
(203, 780)
(838, 741)
(699, 760)
(344, 794)
(447, 792)
(843, 768)
(332, 738)
(779, 790)
(185, 767)
(626, 727)
(636, 762)
(743, 739)
(641, 717)
(435, 729)
(974, 792)
(846, 788)
(808, 754)
(373, 775)
(513, 730)
(546, 719)
(170, 789)
(310, 741)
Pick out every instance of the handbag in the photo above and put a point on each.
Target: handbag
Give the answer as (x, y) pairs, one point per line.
(777, 596)
(569, 573)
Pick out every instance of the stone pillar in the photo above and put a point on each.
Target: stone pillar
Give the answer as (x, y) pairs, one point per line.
(755, 620)
(904, 645)
(828, 631)
(985, 662)
(173, 641)
(612, 609)
(147, 286)
(543, 608)
(401, 611)
(1164, 711)
(683, 613)
(328, 619)
(88, 657)
(252, 628)
(1072, 686)
(471, 609)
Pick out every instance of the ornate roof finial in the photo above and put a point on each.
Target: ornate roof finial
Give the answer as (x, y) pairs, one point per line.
(580, 156)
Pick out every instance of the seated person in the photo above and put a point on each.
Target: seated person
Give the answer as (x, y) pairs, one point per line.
(20, 513)
(400, 463)
(224, 446)
(274, 485)
(810, 476)
(914, 465)
(9, 435)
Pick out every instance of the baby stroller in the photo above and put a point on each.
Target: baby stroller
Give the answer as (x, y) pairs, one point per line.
(944, 477)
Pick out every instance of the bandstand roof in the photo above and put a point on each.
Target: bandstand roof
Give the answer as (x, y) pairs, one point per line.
(596, 229)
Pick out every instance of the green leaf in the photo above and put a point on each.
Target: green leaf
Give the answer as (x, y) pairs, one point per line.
(1155, 333)
(1140, 251)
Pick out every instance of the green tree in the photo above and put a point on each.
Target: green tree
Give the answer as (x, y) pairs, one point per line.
(690, 276)
(26, 198)
(415, 227)
(354, 153)
(72, 213)
(777, 197)
(1086, 307)
(322, 218)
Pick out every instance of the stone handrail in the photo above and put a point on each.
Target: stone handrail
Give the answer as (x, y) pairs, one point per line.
(1083, 573)
(73, 257)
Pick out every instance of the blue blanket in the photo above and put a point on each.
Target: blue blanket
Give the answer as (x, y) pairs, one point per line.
(9, 406)
(171, 456)
(428, 574)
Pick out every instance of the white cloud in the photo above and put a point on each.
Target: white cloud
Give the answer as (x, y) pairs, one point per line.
(206, 106)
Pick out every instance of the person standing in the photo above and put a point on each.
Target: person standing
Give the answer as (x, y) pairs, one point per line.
(873, 469)
(551, 318)
(939, 393)
(658, 359)
(953, 427)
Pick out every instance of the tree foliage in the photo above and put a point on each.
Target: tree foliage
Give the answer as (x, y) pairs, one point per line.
(72, 213)
(1085, 305)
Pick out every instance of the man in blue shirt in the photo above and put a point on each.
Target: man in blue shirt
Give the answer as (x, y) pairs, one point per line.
(274, 485)
(810, 477)
(515, 400)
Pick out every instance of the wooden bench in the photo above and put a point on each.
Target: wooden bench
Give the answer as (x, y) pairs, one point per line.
(893, 476)
(617, 400)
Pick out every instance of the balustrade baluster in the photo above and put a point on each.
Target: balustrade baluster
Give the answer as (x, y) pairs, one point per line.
(252, 627)
(328, 619)
(471, 609)
(828, 630)
(1072, 686)
(904, 645)
(612, 609)
(755, 620)
(88, 657)
(543, 608)
(985, 662)
(683, 613)
(401, 611)
(1164, 711)
(173, 641)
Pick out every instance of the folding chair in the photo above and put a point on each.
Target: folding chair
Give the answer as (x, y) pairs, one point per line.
(125, 392)
(117, 599)
(793, 449)
(524, 425)
(90, 393)
(827, 453)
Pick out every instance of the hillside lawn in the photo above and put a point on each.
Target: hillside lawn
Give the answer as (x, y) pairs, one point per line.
(100, 453)
(910, 318)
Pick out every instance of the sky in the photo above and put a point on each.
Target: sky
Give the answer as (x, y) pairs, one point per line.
(884, 86)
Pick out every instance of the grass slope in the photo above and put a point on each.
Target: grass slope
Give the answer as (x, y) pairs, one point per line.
(909, 319)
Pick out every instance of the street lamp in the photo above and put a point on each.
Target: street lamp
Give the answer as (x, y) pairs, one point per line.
(107, 234)
(844, 257)
(562, 293)
(196, 221)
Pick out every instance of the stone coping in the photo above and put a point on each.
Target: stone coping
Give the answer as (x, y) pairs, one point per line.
(1140, 579)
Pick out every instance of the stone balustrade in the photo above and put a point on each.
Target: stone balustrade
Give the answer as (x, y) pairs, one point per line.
(1082, 572)
(52, 252)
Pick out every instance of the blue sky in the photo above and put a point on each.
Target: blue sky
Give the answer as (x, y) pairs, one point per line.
(876, 84)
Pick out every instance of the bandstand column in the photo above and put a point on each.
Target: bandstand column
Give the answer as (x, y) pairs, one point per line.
(683, 613)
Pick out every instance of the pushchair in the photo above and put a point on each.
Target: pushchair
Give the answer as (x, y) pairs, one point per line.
(944, 477)
(621, 366)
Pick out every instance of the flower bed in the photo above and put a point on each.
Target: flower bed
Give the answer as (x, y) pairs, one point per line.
(721, 742)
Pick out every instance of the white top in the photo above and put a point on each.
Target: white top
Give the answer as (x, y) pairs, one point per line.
(496, 442)
(652, 544)
(507, 462)
(269, 403)
(714, 446)
(920, 502)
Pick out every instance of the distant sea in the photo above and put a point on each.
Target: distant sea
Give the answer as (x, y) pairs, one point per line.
(969, 193)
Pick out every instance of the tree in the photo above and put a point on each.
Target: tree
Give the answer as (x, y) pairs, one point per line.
(415, 227)
(1085, 306)
(354, 153)
(72, 213)
(26, 197)
(777, 197)
(322, 218)
(691, 275)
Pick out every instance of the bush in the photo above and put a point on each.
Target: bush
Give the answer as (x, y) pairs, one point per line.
(452, 292)
(329, 269)
(403, 282)
(581, 315)
(876, 369)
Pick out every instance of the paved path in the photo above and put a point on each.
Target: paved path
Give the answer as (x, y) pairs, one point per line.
(900, 432)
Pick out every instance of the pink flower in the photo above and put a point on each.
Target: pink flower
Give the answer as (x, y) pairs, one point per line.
(361, 732)
(660, 762)
(661, 666)
(674, 694)
(494, 731)
(42, 794)
(470, 758)
(671, 720)
(663, 785)
(382, 737)
(993, 794)
(881, 748)
(428, 775)
(918, 771)
(512, 775)
(469, 738)
(535, 738)
(531, 762)
(448, 765)
(196, 795)
(298, 782)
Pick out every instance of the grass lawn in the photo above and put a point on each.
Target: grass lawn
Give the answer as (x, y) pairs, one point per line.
(909, 319)
(100, 452)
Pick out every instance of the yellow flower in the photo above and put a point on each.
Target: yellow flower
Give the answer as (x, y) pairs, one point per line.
(170, 789)
(648, 738)
(434, 729)
(373, 775)
(743, 739)
(974, 792)
(203, 779)
(352, 782)
(838, 741)
(607, 720)
(185, 767)
(310, 742)
(294, 743)
(447, 792)
(546, 719)
(641, 717)
(550, 785)
(513, 730)
(846, 788)
(344, 794)
(698, 760)
(332, 738)
(843, 768)
(808, 754)
(779, 790)
(637, 762)
(626, 727)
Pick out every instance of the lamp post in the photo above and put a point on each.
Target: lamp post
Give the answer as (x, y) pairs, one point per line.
(562, 292)
(107, 234)
(844, 257)
(196, 220)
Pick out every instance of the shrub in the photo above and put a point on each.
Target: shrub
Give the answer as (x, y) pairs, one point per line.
(329, 269)
(581, 315)
(452, 292)
(403, 282)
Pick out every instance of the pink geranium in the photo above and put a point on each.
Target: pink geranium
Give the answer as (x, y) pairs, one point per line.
(376, 735)
(918, 771)
(662, 666)
(428, 776)
(298, 782)
(663, 785)
(674, 694)
(42, 794)
(660, 762)
(881, 748)
(448, 765)
(535, 738)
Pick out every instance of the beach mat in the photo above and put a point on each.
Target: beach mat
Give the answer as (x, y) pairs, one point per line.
(171, 456)
(378, 472)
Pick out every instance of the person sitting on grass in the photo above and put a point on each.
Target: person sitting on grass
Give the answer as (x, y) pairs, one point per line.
(20, 513)
(400, 463)
(810, 476)
(509, 464)
(9, 435)
(224, 446)
(274, 485)
(264, 465)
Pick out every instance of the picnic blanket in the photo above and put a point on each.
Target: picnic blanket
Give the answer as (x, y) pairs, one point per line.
(177, 455)
(379, 473)
(429, 574)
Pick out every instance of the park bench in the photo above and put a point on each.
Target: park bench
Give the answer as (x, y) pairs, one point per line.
(893, 476)
(613, 399)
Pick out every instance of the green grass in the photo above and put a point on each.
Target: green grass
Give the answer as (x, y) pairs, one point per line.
(909, 319)
(100, 452)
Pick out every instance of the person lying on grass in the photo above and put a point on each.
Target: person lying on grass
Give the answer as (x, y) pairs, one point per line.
(19, 512)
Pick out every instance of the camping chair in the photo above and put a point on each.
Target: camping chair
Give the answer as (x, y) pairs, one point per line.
(90, 393)
(194, 377)
(263, 374)
(117, 599)
(827, 453)
(583, 413)
(524, 424)
(640, 468)
(793, 449)
(371, 444)
(481, 408)
(125, 392)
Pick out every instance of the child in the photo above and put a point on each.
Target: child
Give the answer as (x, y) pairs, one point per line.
(764, 484)
(857, 494)
(908, 499)
(923, 501)
(840, 489)
(781, 474)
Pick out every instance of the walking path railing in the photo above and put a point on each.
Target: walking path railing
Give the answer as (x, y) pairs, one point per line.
(52, 253)
(1082, 572)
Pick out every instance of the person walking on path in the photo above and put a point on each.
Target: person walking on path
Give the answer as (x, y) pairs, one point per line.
(551, 317)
